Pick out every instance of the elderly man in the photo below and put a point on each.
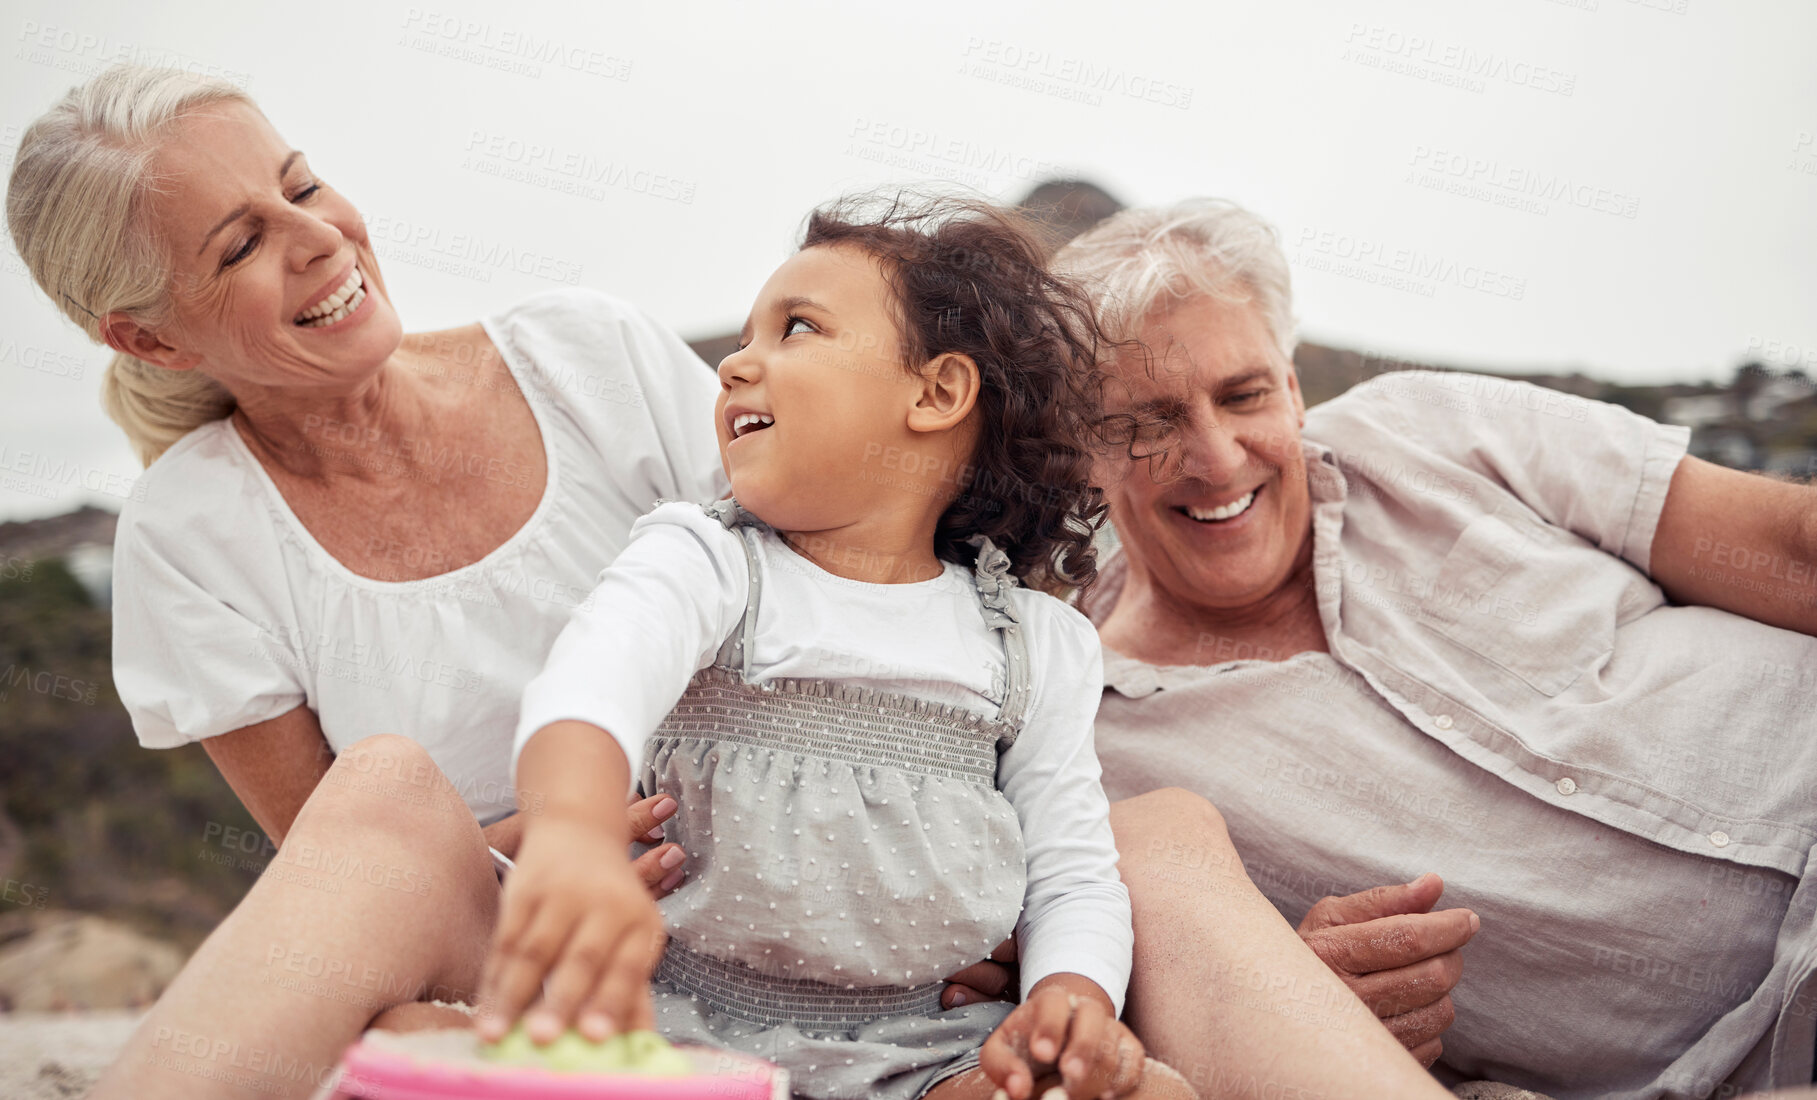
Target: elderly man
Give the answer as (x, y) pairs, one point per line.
(1463, 624)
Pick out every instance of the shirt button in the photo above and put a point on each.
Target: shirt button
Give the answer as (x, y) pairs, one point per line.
(1567, 785)
(1719, 838)
(1443, 721)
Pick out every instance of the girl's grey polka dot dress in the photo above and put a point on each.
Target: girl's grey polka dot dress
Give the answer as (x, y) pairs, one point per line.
(848, 850)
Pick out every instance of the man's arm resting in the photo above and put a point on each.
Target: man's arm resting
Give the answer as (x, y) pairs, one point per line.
(1739, 542)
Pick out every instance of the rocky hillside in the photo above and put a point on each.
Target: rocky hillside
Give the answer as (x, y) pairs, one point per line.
(88, 820)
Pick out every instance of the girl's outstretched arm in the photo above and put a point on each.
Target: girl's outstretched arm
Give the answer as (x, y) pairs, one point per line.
(576, 921)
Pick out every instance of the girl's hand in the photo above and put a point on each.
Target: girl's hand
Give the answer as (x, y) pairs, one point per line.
(1066, 1023)
(577, 923)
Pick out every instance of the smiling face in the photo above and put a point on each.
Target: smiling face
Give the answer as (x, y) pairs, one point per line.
(275, 285)
(817, 392)
(1220, 523)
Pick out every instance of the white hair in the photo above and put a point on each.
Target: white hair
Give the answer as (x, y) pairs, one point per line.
(1144, 260)
(76, 208)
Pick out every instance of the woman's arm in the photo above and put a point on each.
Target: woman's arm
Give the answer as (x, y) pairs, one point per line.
(1739, 542)
(273, 766)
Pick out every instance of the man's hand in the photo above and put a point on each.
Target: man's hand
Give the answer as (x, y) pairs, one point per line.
(1397, 955)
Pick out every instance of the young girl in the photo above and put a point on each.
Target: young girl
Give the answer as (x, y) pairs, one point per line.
(880, 744)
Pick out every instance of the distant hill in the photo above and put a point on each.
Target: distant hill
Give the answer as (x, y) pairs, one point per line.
(89, 820)
(1761, 420)
(82, 540)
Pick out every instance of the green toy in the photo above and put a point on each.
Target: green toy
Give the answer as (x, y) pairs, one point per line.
(639, 1052)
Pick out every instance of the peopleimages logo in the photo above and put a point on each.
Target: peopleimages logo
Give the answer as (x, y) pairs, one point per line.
(961, 158)
(42, 475)
(1376, 46)
(1065, 77)
(1804, 154)
(508, 49)
(462, 253)
(566, 170)
(1375, 261)
(1511, 185)
(52, 684)
(85, 53)
(42, 360)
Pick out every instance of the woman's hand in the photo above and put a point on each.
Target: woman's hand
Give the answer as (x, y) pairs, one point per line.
(1395, 954)
(660, 868)
(505, 834)
(578, 924)
(993, 979)
(1066, 1023)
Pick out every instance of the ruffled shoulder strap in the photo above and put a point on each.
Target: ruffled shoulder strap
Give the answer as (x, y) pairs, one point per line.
(735, 652)
(992, 577)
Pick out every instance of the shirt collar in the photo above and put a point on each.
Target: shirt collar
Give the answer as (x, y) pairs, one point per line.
(1323, 477)
(1129, 677)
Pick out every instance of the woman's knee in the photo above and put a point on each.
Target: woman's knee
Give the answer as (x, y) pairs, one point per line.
(1172, 839)
(387, 772)
(387, 787)
(1168, 814)
(386, 808)
(390, 758)
(1161, 1081)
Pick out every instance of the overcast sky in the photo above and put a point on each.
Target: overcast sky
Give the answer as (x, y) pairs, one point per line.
(1626, 187)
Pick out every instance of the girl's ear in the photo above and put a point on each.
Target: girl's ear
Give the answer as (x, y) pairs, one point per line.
(949, 390)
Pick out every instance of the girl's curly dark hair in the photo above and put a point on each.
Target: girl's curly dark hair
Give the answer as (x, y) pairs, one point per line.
(970, 278)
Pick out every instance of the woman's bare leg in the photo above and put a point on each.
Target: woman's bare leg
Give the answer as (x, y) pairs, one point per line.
(1223, 990)
(382, 894)
(1159, 1082)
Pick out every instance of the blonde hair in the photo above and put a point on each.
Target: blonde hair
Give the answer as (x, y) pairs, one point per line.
(76, 209)
(1137, 261)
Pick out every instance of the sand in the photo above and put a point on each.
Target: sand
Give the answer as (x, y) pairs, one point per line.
(59, 1055)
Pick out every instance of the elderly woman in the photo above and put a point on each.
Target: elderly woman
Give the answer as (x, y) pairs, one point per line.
(1453, 622)
(346, 529)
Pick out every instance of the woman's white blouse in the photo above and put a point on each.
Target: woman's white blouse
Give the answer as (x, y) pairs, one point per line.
(227, 612)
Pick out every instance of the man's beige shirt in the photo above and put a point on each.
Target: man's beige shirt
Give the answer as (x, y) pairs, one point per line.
(1625, 790)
